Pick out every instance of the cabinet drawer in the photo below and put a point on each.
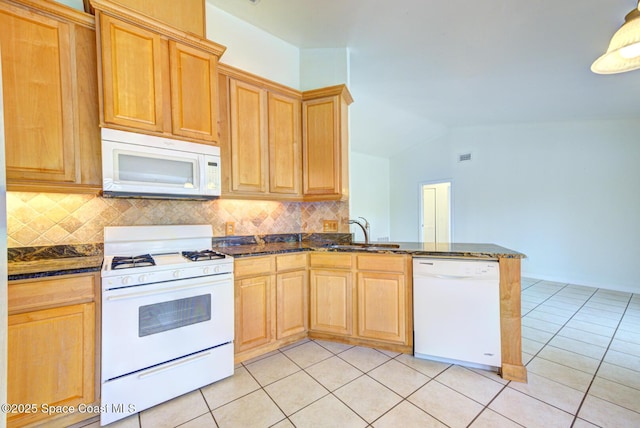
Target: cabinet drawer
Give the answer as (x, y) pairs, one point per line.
(291, 261)
(330, 260)
(384, 262)
(251, 266)
(40, 293)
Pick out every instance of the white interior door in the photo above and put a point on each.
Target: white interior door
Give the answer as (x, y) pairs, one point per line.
(436, 212)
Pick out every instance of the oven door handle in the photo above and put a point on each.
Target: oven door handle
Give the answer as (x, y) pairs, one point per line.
(173, 365)
(158, 292)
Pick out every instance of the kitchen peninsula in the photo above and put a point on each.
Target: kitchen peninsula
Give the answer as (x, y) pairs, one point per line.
(509, 262)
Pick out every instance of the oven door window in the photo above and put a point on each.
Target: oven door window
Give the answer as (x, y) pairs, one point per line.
(173, 314)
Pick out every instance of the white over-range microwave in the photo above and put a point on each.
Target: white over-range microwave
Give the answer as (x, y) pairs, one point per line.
(145, 166)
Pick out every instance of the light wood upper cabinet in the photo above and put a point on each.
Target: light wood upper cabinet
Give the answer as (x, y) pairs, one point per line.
(156, 78)
(186, 15)
(248, 137)
(194, 95)
(325, 143)
(132, 75)
(52, 346)
(285, 153)
(260, 137)
(52, 137)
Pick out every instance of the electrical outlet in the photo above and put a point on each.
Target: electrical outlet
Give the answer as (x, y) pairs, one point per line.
(329, 225)
(229, 228)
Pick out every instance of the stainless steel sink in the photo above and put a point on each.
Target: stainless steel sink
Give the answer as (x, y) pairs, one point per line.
(378, 246)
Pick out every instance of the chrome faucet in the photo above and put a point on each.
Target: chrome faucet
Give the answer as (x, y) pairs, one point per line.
(364, 227)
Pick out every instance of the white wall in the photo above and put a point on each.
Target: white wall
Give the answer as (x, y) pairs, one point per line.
(369, 194)
(252, 49)
(565, 194)
(427, 161)
(323, 67)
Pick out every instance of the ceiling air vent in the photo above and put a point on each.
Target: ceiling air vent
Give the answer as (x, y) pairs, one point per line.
(464, 157)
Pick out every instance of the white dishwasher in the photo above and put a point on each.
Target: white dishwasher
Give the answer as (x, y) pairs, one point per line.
(456, 311)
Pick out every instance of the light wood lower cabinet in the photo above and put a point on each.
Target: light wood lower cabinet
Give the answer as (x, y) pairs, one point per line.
(271, 303)
(381, 306)
(291, 303)
(52, 347)
(375, 311)
(331, 301)
(357, 298)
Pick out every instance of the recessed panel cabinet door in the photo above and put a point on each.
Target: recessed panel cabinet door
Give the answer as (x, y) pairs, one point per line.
(51, 359)
(132, 62)
(292, 303)
(39, 99)
(193, 92)
(322, 147)
(248, 105)
(381, 306)
(331, 301)
(254, 310)
(285, 156)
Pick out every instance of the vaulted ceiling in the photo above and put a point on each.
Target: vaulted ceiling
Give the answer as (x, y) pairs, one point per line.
(426, 65)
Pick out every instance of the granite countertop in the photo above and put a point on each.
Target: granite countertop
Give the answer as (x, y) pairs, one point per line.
(35, 262)
(53, 267)
(416, 249)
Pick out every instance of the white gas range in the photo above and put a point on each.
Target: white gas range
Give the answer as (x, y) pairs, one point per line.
(167, 316)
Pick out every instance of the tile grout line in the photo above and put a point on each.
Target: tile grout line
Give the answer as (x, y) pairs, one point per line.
(547, 343)
(595, 374)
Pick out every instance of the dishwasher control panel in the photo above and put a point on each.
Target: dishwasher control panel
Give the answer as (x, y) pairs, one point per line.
(464, 268)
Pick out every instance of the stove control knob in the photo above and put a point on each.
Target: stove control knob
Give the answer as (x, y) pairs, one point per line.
(142, 278)
(205, 270)
(176, 274)
(126, 280)
(216, 269)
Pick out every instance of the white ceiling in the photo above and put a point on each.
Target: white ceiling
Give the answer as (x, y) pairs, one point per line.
(421, 66)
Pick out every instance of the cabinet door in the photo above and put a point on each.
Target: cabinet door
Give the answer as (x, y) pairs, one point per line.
(39, 99)
(254, 310)
(193, 92)
(331, 301)
(132, 75)
(285, 156)
(52, 349)
(291, 303)
(190, 16)
(381, 306)
(248, 137)
(322, 168)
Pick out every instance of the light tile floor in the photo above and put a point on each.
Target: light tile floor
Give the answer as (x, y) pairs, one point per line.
(581, 346)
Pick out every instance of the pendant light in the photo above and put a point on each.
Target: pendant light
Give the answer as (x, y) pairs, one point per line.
(624, 50)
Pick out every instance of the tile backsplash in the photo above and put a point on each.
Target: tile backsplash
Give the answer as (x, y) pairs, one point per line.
(37, 219)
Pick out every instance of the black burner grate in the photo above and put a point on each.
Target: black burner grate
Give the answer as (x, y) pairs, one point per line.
(195, 256)
(132, 262)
